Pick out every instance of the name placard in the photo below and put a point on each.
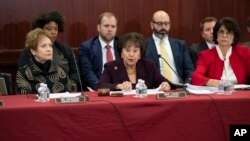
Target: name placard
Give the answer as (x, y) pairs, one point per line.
(171, 94)
(65, 100)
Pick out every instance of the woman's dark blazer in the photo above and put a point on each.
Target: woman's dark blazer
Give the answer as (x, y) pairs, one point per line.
(115, 73)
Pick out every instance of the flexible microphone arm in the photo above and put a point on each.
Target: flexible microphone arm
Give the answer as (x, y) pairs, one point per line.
(80, 81)
(176, 85)
(159, 56)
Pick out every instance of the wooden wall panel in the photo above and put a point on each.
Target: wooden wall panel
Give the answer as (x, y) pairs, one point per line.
(81, 17)
(134, 15)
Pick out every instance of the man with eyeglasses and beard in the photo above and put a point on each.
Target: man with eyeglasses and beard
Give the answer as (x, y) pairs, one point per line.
(170, 55)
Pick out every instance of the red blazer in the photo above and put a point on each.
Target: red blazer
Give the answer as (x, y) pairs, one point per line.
(210, 66)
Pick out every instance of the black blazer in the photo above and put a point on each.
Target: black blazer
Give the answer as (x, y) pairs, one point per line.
(115, 73)
(195, 49)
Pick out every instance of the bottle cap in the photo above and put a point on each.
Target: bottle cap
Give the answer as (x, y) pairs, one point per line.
(43, 85)
(141, 81)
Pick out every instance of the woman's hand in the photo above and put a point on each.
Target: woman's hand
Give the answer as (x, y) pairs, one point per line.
(164, 86)
(126, 86)
(213, 82)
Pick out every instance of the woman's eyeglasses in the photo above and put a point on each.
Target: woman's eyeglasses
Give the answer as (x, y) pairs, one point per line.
(223, 32)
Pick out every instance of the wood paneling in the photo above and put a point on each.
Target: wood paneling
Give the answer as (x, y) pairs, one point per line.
(134, 15)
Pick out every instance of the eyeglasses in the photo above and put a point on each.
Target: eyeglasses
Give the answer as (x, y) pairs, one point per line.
(162, 23)
(223, 32)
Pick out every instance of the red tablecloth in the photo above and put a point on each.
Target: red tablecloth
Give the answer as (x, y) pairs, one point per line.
(195, 118)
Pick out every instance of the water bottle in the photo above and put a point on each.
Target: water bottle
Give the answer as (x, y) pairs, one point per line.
(225, 87)
(141, 89)
(43, 92)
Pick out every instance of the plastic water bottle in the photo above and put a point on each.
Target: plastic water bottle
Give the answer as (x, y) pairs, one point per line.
(43, 92)
(141, 89)
(225, 87)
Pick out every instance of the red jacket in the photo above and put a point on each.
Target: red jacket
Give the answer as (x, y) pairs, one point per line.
(210, 66)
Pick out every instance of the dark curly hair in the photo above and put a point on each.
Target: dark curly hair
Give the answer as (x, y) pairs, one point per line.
(231, 25)
(43, 19)
(134, 37)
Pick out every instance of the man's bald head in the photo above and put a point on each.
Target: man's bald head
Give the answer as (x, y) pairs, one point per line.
(160, 24)
(158, 15)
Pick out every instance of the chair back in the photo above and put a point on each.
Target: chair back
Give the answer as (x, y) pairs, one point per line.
(8, 82)
(3, 88)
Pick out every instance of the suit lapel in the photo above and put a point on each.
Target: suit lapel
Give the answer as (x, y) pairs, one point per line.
(203, 45)
(174, 49)
(97, 51)
(141, 72)
(117, 56)
(121, 73)
(153, 51)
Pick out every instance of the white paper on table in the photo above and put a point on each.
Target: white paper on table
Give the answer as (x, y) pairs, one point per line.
(201, 89)
(132, 92)
(241, 86)
(63, 95)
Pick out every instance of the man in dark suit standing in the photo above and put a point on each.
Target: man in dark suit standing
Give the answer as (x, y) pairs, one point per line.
(97, 51)
(174, 51)
(206, 27)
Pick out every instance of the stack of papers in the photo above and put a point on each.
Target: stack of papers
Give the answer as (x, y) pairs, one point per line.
(63, 95)
(241, 86)
(201, 89)
(210, 90)
(132, 92)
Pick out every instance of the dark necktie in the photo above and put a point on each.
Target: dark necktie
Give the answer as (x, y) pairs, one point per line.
(109, 56)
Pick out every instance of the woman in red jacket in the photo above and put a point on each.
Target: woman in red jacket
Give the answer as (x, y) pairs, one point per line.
(227, 61)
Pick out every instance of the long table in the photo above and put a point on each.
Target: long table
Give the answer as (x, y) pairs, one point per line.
(194, 118)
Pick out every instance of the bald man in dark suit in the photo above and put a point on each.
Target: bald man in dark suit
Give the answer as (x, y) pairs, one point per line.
(179, 58)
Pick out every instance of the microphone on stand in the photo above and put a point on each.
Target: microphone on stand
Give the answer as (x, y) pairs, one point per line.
(182, 85)
(83, 96)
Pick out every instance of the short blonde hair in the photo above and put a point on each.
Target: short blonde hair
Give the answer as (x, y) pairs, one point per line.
(106, 14)
(33, 38)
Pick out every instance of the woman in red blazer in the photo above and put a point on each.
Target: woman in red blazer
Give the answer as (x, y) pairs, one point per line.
(227, 60)
(123, 74)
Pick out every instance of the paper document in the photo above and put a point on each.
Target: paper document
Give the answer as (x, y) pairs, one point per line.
(201, 89)
(241, 86)
(132, 92)
(63, 95)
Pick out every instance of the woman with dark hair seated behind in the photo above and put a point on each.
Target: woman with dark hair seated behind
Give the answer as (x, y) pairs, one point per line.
(53, 24)
(227, 61)
(123, 74)
(41, 68)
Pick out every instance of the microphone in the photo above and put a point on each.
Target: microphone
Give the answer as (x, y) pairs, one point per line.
(83, 96)
(182, 85)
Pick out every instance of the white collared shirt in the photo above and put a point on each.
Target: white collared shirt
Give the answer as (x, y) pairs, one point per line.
(175, 78)
(103, 44)
(227, 73)
(210, 45)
